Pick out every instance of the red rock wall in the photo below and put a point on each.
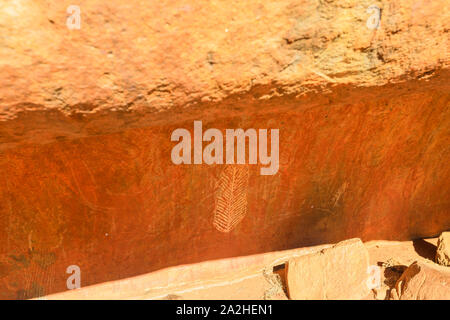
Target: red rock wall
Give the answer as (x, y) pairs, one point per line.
(357, 162)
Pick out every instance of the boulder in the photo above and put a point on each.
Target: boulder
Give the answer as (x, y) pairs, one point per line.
(443, 249)
(171, 54)
(339, 272)
(423, 281)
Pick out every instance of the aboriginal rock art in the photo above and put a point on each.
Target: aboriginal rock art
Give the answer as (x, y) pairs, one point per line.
(231, 197)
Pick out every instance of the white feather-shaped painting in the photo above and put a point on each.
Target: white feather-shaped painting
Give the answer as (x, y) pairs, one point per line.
(231, 197)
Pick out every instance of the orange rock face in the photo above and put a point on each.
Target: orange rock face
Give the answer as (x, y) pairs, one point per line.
(86, 118)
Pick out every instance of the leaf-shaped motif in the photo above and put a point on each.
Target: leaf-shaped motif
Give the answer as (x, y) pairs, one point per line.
(231, 197)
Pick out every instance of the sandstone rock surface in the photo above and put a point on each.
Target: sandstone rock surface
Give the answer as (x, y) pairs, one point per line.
(443, 249)
(339, 272)
(245, 277)
(86, 117)
(423, 281)
(133, 58)
(239, 278)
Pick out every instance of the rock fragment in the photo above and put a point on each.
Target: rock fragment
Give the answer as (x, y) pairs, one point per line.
(423, 281)
(339, 272)
(443, 249)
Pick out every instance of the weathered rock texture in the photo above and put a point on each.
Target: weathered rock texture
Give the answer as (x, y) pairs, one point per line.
(249, 277)
(443, 249)
(136, 58)
(339, 272)
(423, 281)
(86, 117)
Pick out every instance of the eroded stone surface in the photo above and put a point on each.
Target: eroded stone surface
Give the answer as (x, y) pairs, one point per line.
(246, 277)
(133, 57)
(249, 277)
(443, 249)
(423, 281)
(339, 272)
(355, 163)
